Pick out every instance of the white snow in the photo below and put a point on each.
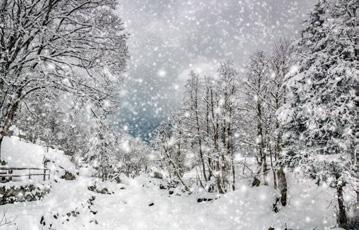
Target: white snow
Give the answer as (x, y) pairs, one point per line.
(19, 153)
(128, 208)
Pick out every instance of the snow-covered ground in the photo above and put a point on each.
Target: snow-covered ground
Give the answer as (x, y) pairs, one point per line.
(140, 204)
(129, 208)
(18, 153)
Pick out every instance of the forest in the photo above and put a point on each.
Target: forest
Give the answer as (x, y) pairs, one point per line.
(270, 144)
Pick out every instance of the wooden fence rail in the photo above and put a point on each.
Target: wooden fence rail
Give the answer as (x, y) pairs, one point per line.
(7, 173)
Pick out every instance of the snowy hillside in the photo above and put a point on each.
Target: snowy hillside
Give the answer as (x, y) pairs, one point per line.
(19, 153)
(141, 204)
(188, 115)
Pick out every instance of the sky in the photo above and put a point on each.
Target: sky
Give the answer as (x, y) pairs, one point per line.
(168, 38)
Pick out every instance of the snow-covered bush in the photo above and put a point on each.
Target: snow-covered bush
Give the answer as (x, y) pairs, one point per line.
(10, 194)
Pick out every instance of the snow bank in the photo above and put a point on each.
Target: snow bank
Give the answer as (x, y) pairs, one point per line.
(139, 204)
(18, 153)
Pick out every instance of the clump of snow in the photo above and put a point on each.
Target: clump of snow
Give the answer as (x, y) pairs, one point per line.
(18, 153)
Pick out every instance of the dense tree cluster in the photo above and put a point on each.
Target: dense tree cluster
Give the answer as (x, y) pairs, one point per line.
(61, 70)
(201, 134)
(319, 117)
(295, 108)
(291, 109)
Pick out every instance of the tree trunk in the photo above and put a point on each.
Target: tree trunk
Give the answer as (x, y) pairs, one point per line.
(202, 159)
(1, 139)
(282, 186)
(208, 134)
(342, 216)
(215, 127)
(260, 133)
(264, 168)
(273, 170)
(230, 148)
(195, 101)
(8, 120)
(233, 175)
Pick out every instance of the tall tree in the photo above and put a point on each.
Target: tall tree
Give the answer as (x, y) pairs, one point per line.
(228, 80)
(76, 46)
(279, 62)
(257, 84)
(319, 116)
(194, 117)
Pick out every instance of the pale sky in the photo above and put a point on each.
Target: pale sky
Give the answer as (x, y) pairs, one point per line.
(170, 37)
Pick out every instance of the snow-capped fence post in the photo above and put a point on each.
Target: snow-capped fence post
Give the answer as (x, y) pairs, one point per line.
(29, 174)
(46, 173)
(45, 161)
(1, 139)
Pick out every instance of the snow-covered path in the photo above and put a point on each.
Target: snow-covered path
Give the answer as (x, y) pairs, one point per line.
(70, 205)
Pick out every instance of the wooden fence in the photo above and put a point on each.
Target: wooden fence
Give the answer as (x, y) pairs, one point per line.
(8, 173)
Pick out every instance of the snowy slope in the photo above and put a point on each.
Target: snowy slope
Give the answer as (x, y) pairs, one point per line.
(128, 209)
(140, 204)
(19, 153)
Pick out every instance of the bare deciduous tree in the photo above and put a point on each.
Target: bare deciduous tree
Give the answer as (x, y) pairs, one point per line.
(77, 46)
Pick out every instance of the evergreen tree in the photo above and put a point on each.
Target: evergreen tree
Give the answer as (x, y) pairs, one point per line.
(319, 115)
